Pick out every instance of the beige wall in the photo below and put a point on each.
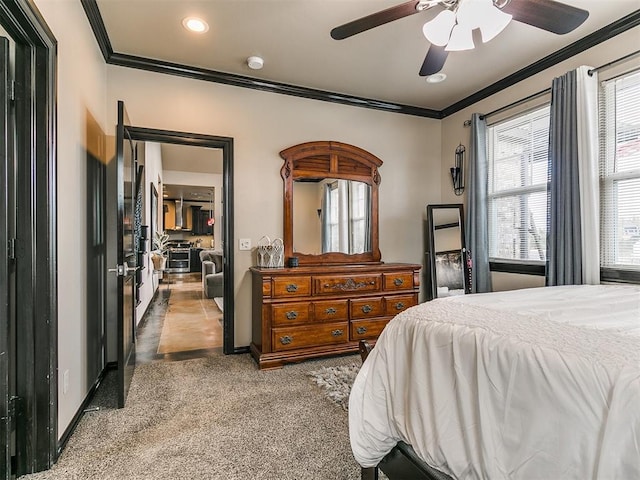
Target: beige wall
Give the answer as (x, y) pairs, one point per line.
(453, 131)
(263, 124)
(81, 100)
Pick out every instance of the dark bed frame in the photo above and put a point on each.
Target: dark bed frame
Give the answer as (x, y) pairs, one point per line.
(401, 463)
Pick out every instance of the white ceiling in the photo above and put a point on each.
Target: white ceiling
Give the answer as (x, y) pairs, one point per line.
(293, 38)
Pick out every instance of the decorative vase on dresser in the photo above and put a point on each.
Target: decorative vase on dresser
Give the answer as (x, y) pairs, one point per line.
(341, 292)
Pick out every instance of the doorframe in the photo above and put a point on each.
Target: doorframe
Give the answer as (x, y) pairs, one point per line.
(36, 245)
(226, 144)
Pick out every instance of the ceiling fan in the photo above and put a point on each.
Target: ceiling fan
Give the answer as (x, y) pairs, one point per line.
(451, 29)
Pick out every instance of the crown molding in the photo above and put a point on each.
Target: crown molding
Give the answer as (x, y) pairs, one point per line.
(124, 60)
(159, 66)
(97, 25)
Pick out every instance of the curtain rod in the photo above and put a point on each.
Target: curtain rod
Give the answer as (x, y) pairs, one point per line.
(512, 104)
(547, 90)
(612, 63)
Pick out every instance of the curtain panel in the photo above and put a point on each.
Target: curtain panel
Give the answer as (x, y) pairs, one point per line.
(476, 221)
(573, 207)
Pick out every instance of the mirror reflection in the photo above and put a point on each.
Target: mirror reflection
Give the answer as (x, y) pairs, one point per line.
(331, 215)
(447, 253)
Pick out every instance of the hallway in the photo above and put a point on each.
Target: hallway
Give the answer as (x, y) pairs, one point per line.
(180, 323)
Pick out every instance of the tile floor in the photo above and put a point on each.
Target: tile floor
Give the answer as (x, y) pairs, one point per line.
(180, 323)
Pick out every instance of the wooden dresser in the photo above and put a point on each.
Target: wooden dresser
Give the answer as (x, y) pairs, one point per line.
(314, 311)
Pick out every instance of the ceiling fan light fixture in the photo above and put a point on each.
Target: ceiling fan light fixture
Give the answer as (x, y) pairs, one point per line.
(493, 21)
(461, 39)
(438, 30)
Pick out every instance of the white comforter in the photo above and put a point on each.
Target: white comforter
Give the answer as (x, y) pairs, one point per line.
(542, 383)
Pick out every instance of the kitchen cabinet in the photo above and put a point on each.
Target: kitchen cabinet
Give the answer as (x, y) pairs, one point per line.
(199, 221)
(195, 262)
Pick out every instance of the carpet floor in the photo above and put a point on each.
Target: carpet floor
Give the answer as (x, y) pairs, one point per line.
(217, 417)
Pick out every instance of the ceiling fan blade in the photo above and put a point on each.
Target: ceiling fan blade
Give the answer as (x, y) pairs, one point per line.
(374, 20)
(434, 61)
(548, 15)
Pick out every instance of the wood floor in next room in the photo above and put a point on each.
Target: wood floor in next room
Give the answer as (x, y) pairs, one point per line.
(180, 323)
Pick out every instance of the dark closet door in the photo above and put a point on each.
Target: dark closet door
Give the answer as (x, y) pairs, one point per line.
(7, 272)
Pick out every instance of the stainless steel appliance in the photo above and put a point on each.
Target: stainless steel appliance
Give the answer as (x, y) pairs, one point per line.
(179, 257)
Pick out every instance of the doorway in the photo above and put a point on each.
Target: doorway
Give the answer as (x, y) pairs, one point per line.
(180, 314)
(225, 218)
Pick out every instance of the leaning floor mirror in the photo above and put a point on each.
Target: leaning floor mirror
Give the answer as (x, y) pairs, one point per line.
(447, 259)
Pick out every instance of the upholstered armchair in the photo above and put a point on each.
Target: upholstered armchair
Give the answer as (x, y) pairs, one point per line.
(212, 273)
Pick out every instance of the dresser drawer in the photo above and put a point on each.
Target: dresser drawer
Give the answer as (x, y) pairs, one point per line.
(397, 281)
(291, 286)
(361, 329)
(398, 303)
(290, 314)
(331, 310)
(325, 285)
(309, 336)
(367, 308)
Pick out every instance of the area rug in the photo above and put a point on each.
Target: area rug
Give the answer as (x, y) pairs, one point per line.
(336, 382)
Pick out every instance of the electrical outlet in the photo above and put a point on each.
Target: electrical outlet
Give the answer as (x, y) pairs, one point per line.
(245, 244)
(65, 381)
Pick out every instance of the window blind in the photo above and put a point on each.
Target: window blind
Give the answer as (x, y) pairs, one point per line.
(517, 189)
(620, 172)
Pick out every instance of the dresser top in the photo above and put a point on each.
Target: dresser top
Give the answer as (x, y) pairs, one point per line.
(329, 269)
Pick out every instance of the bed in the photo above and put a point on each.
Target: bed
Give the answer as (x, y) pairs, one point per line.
(541, 383)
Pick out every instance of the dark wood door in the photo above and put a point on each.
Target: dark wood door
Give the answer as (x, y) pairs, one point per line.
(126, 254)
(7, 314)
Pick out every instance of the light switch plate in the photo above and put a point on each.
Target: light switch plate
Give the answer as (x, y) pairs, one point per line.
(245, 244)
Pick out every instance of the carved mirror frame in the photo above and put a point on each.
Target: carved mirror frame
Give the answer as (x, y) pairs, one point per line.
(326, 159)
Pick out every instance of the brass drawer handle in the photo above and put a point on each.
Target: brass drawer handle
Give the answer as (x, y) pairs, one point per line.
(399, 306)
(292, 287)
(361, 330)
(330, 311)
(292, 315)
(366, 309)
(372, 282)
(337, 333)
(398, 281)
(286, 340)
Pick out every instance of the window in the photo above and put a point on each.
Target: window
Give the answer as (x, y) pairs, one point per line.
(347, 222)
(517, 189)
(620, 172)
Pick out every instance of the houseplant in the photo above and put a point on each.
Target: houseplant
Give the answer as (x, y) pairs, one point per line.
(159, 252)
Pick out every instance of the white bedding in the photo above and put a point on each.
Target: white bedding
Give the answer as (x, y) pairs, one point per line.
(542, 383)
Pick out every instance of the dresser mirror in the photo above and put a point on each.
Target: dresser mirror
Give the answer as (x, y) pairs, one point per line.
(330, 204)
(331, 215)
(447, 256)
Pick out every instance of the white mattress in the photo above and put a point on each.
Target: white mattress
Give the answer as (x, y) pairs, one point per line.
(541, 383)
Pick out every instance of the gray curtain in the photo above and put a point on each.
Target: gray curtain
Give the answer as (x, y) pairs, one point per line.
(477, 230)
(564, 246)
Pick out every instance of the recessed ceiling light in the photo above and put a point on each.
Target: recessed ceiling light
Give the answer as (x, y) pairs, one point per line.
(436, 78)
(195, 24)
